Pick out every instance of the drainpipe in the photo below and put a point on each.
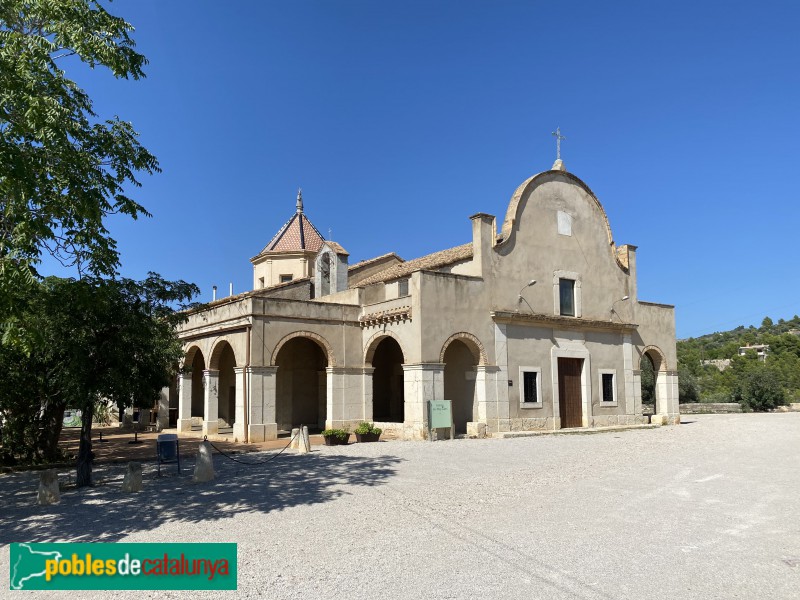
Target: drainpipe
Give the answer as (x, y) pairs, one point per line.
(244, 384)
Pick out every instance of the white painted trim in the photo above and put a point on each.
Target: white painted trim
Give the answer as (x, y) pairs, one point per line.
(600, 373)
(521, 387)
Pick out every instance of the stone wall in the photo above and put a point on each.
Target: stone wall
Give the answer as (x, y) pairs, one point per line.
(696, 408)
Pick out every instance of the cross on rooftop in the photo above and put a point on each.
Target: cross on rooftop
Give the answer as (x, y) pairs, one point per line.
(559, 137)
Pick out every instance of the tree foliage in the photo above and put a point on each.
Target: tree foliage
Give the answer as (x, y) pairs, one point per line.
(63, 168)
(758, 385)
(103, 339)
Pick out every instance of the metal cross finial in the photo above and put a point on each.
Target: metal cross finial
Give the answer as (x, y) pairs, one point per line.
(559, 137)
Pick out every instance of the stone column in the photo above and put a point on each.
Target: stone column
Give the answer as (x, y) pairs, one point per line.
(262, 423)
(486, 391)
(628, 378)
(184, 402)
(345, 403)
(211, 402)
(637, 395)
(500, 419)
(162, 417)
(667, 396)
(421, 382)
(366, 392)
(238, 419)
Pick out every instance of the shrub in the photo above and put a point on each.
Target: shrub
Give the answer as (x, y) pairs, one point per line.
(758, 390)
(341, 434)
(365, 428)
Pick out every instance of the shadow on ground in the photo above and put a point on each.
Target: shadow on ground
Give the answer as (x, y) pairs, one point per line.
(104, 513)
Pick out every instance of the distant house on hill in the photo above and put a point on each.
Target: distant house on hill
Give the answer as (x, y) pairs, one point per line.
(759, 349)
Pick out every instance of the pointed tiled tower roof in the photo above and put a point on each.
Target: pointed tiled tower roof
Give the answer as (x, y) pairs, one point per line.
(297, 235)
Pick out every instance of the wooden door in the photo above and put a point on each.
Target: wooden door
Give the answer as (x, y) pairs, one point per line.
(569, 391)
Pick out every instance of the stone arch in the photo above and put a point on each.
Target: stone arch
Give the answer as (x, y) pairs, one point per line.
(189, 355)
(376, 339)
(321, 342)
(301, 383)
(471, 342)
(223, 360)
(386, 357)
(656, 356)
(195, 361)
(659, 385)
(218, 347)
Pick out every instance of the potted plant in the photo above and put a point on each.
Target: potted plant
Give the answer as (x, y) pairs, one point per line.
(336, 437)
(367, 432)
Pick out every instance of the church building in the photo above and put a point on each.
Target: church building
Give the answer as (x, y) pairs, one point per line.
(537, 326)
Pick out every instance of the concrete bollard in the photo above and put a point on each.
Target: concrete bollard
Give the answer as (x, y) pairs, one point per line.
(204, 467)
(133, 478)
(48, 488)
(295, 438)
(304, 446)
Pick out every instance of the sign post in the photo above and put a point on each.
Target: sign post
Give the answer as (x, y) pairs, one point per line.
(440, 416)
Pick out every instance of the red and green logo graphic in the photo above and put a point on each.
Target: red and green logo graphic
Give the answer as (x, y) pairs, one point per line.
(123, 566)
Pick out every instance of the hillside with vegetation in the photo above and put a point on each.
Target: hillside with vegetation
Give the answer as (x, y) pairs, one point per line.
(754, 383)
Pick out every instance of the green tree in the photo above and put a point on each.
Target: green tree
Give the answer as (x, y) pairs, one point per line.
(758, 389)
(688, 390)
(103, 340)
(63, 168)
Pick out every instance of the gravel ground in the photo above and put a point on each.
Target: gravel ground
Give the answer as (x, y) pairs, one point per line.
(705, 510)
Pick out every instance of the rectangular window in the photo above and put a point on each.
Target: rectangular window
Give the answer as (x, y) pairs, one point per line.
(566, 289)
(286, 278)
(402, 288)
(530, 392)
(530, 386)
(608, 387)
(261, 282)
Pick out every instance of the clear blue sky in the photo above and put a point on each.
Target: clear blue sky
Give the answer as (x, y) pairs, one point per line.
(401, 119)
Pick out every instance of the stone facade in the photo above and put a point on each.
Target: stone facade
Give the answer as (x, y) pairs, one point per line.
(537, 327)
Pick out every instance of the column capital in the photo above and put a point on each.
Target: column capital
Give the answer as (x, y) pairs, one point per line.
(211, 373)
(344, 370)
(423, 367)
(262, 370)
(487, 368)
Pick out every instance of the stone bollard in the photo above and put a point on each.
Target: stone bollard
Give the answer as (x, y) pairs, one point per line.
(133, 478)
(295, 438)
(48, 488)
(304, 445)
(204, 467)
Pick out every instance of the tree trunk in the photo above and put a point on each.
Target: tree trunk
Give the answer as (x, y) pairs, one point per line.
(51, 425)
(85, 454)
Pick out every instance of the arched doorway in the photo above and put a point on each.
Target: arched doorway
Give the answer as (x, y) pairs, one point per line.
(224, 360)
(300, 392)
(653, 381)
(459, 383)
(388, 400)
(198, 365)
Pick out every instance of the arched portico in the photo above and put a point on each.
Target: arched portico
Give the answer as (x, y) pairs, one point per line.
(385, 356)
(461, 356)
(223, 361)
(660, 392)
(301, 383)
